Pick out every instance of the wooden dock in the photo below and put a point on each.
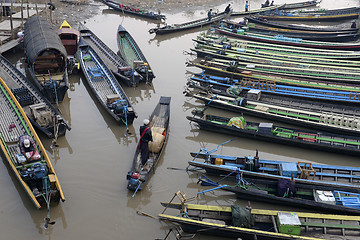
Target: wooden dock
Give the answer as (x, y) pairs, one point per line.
(10, 25)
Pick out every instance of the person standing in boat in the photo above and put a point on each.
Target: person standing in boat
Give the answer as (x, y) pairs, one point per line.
(246, 6)
(210, 14)
(228, 11)
(272, 3)
(27, 145)
(145, 138)
(353, 25)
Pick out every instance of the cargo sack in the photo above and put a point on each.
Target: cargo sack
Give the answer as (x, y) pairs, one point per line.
(286, 188)
(234, 90)
(241, 217)
(158, 135)
(238, 122)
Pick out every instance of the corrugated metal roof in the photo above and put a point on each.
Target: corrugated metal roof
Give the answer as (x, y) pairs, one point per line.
(39, 36)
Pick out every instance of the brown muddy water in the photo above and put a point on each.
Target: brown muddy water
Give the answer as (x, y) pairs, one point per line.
(93, 158)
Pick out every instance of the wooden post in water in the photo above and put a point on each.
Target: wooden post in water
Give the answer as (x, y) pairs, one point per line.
(11, 21)
(22, 13)
(27, 8)
(37, 11)
(2, 10)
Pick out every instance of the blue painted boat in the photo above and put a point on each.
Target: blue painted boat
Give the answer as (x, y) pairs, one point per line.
(281, 89)
(317, 175)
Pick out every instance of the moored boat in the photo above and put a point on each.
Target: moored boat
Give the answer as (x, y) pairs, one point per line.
(38, 109)
(159, 125)
(119, 67)
(47, 59)
(310, 17)
(133, 10)
(104, 85)
(132, 54)
(267, 131)
(290, 41)
(254, 19)
(286, 192)
(304, 4)
(69, 37)
(188, 25)
(37, 177)
(338, 177)
(247, 223)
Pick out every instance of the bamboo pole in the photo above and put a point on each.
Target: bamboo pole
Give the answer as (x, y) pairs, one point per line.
(22, 13)
(11, 21)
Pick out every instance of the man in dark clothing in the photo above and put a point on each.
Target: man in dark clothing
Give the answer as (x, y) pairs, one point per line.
(145, 137)
(227, 9)
(353, 25)
(210, 14)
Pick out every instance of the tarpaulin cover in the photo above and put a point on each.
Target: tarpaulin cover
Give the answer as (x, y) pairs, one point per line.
(40, 36)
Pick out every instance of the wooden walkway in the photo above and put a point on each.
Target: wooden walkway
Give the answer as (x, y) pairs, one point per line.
(9, 26)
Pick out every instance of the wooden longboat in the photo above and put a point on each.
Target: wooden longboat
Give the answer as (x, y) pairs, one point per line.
(297, 5)
(188, 25)
(69, 37)
(133, 10)
(38, 173)
(305, 113)
(316, 17)
(270, 71)
(259, 10)
(280, 50)
(47, 59)
(307, 35)
(223, 71)
(132, 54)
(267, 224)
(299, 195)
(320, 11)
(104, 85)
(266, 131)
(254, 19)
(232, 55)
(338, 177)
(159, 124)
(269, 89)
(290, 41)
(118, 66)
(41, 113)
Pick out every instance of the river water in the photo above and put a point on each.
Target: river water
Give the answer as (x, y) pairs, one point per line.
(92, 160)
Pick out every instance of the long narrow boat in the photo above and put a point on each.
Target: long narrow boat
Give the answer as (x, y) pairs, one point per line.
(279, 50)
(307, 35)
(260, 223)
(320, 11)
(69, 37)
(104, 85)
(38, 173)
(133, 10)
(338, 177)
(271, 71)
(297, 5)
(232, 53)
(47, 59)
(311, 114)
(254, 19)
(248, 76)
(259, 10)
(38, 109)
(315, 17)
(266, 131)
(188, 25)
(286, 192)
(290, 41)
(159, 124)
(118, 66)
(204, 21)
(132, 54)
(269, 89)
